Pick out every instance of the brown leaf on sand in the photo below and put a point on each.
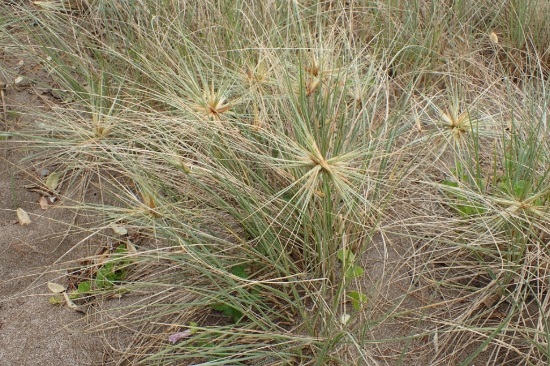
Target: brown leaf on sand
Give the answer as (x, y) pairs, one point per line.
(71, 304)
(493, 37)
(23, 217)
(119, 230)
(56, 288)
(131, 247)
(102, 258)
(174, 338)
(43, 202)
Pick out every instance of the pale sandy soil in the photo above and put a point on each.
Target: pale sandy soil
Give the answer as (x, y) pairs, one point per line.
(33, 331)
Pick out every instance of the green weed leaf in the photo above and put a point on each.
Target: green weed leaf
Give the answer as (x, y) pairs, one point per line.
(345, 256)
(357, 299)
(220, 306)
(228, 311)
(56, 300)
(519, 188)
(354, 272)
(52, 181)
(239, 271)
(450, 183)
(84, 287)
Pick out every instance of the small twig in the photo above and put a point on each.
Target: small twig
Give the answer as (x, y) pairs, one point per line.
(4, 112)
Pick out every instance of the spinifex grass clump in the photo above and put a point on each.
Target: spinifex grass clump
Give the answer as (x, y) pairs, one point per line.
(273, 203)
(250, 178)
(496, 239)
(271, 151)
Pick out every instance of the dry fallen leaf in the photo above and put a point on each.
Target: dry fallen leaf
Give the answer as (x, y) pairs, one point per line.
(70, 303)
(493, 37)
(43, 202)
(174, 338)
(490, 300)
(56, 288)
(23, 217)
(119, 230)
(102, 258)
(344, 319)
(18, 80)
(131, 247)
